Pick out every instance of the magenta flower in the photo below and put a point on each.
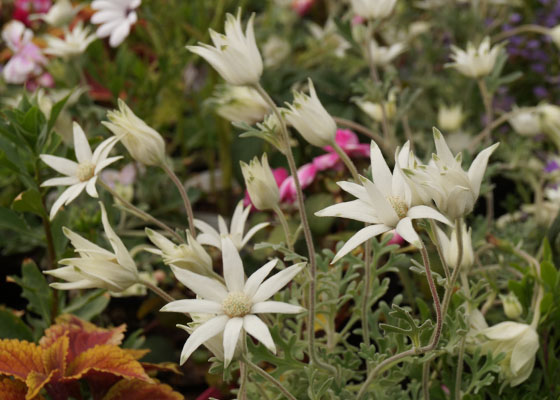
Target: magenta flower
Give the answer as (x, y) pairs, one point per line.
(306, 175)
(24, 8)
(302, 6)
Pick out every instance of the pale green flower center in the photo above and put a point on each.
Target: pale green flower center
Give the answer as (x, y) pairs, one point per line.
(85, 171)
(237, 304)
(399, 206)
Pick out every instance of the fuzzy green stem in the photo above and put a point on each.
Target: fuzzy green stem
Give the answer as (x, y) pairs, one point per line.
(459, 372)
(140, 213)
(347, 161)
(157, 291)
(184, 196)
(269, 378)
(389, 362)
(521, 29)
(426, 380)
(306, 231)
(285, 226)
(367, 289)
(487, 100)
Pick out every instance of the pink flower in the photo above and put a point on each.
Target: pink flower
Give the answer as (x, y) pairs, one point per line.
(24, 8)
(396, 239)
(349, 142)
(306, 175)
(357, 20)
(302, 6)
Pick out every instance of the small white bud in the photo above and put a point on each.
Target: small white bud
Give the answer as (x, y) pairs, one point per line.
(260, 183)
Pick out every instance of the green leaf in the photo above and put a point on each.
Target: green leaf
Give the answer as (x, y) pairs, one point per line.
(12, 327)
(30, 201)
(36, 290)
(11, 220)
(549, 274)
(412, 329)
(89, 306)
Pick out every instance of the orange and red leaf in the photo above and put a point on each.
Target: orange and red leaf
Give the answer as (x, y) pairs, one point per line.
(11, 389)
(139, 390)
(20, 358)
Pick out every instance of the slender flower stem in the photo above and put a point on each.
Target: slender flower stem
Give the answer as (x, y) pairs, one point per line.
(367, 289)
(285, 226)
(449, 292)
(426, 380)
(184, 195)
(459, 372)
(389, 362)
(140, 213)
(362, 129)
(487, 99)
(375, 77)
(347, 161)
(157, 291)
(306, 231)
(521, 29)
(269, 378)
(243, 372)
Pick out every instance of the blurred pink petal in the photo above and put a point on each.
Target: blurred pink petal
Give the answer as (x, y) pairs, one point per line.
(344, 138)
(302, 6)
(357, 20)
(306, 174)
(211, 393)
(326, 161)
(396, 239)
(280, 175)
(23, 8)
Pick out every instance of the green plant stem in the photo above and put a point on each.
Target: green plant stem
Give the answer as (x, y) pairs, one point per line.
(185, 197)
(426, 380)
(389, 362)
(306, 231)
(367, 289)
(375, 78)
(347, 161)
(269, 378)
(487, 100)
(521, 29)
(243, 380)
(285, 226)
(364, 130)
(157, 290)
(140, 213)
(459, 372)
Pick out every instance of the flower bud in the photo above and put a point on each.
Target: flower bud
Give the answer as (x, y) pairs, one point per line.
(143, 143)
(512, 306)
(554, 34)
(550, 121)
(519, 342)
(450, 118)
(310, 118)
(450, 248)
(373, 9)
(375, 110)
(526, 123)
(261, 184)
(240, 104)
(190, 256)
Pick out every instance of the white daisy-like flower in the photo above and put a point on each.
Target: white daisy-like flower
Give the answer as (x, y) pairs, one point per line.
(75, 42)
(475, 62)
(386, 204)
(234, 304)
(60, 14)
(212, 237)
(82, 174)
(235, 54)
(115, 18)
(384, 55)
(96, 267)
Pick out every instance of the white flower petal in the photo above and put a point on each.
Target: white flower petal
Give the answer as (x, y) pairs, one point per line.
(63, 181)
(204, 287)
(231, 336)
(234, 273)
(251, 232)
(419, 212)
(355, 209)
(359, 237)
(276, 282)
(276, 307)
(201, 334)
(81, 145)
(255, 280)
(59, 164)
(380, 170)
(258, 329)
(524, 350)
(406, 230)
(478, 167)
(193, 306)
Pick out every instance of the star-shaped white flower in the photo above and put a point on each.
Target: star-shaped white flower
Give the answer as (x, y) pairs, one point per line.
(75, 42)
(386, 204)
(475, 62)
(234, 305)
(115, 18)
(82, 174)
(211, 237)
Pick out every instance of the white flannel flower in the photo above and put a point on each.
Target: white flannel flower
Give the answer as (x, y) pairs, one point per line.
(408, 162)
(454, 190)
(96, 267)
(373, 9)
(450, 248)
(212, 237)
(329, 39)
(190, 255)
(512, 307)
(143, 142)
(310, 118)
(450, 118)
(384, 55)
(234, 55)
(82, 174)
(260, 183)
(115, 18)
(550, 121)
(75, 42)
(60, 14)
(240, 104)
(519, 342)
(233, 304)
(375, 110)
(386, 204)
(475, 62)
(214, 344)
